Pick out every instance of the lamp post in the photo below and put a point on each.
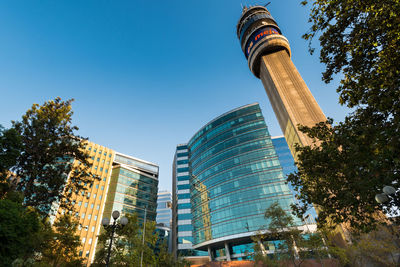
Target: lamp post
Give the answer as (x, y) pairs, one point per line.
(106, 223)
(144, 232)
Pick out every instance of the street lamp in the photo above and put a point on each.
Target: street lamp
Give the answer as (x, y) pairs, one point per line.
(388, 193)
(106, 223)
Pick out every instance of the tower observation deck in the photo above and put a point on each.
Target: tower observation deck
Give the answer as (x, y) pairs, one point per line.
(268, 54)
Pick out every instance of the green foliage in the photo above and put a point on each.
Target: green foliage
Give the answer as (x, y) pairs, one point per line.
(19, 231)
(49, 148)
(127, 244)
(361, 40)
(10, 149)
(379, 247)
(62, 243)
(166, 259)
(356, 158)
(294, 245)
(342, 175)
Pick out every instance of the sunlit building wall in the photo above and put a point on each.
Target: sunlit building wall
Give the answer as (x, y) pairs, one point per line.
(133, 187)
(125, 184)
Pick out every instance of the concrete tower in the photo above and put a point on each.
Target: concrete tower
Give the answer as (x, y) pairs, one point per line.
(268, 54)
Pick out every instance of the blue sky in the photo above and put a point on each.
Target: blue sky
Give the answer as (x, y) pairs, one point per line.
(145, 75)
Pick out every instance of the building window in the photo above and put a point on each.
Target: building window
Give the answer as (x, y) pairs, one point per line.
(80, 203)
(89, 216)
(80, 253)
(98, 207)
(83, 240)
(87, 253)
(86, 204)
(104, 179)
(83, 216)
(76, 214)
(100, 152)
(97, 186)
(88, 194)
(105, 153)
(95, 217)
(101, 169)
(95, 168)
(100, 197)
(90, 148)
(86, 228)
(98, 159)
(92, 206)
(90, 241)
(102, 187)
(106, 172)
(94, 150)
(94, 195)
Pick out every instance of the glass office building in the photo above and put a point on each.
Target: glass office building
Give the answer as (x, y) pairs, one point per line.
(164, 211)
(182, 239)
(133, 187)
(235, 175)
(288, 166)
(125, 183)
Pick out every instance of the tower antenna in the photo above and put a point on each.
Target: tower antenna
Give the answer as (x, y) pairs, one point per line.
(267, 4)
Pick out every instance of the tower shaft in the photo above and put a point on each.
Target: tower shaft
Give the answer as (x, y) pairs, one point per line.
(290, 97)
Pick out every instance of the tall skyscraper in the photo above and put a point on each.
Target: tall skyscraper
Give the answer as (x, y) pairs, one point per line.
(268, 54)
(182, 239)
(126, 184)
(235, 176)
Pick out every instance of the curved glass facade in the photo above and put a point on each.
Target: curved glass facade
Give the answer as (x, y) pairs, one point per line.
(235, 175)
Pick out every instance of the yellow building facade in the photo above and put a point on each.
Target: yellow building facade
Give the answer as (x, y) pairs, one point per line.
(127, 195)
(89, 205)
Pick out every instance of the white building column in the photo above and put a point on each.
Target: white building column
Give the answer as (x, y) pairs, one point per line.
(227, 252)
(209, 254)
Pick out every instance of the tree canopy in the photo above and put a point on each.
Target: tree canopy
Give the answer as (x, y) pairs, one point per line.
(290, 243)
(356, 158)
(19, 231)
(127, 244)
(48, 146)
(61, 248)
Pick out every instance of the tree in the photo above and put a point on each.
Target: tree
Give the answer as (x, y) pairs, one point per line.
(357, 157)
(19, 231)
(10, 149)
(49, 149)
(61, 248)
(291, 244)
(127, 244)
(360, 39)
(379, 247)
